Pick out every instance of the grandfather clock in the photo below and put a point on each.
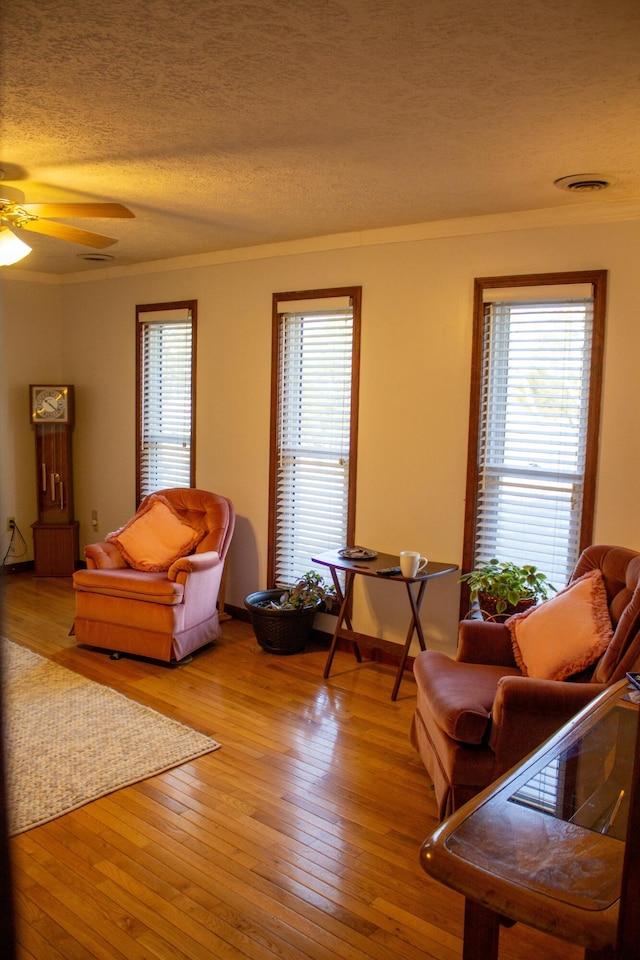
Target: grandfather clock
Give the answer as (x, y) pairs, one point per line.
(55, 534)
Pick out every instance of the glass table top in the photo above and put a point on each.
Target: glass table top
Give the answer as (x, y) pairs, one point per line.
(587, 783)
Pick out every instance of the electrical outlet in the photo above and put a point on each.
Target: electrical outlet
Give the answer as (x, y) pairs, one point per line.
(11, 522)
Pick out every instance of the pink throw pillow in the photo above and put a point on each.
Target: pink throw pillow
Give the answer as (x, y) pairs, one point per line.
(566, 634)
(156, 536)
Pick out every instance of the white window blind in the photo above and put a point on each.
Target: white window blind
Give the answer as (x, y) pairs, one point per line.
(313, 437)
(533, 432)
(166, 340)
(544, 791)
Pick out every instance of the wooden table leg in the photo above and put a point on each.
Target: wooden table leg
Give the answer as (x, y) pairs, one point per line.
(342, 617)
(344, 603)
(481, 932)
(414, 627)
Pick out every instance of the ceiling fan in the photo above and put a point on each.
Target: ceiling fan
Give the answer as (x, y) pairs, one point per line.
(15, 214)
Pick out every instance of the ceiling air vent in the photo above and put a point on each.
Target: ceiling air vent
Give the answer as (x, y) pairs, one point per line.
(583, 183)
(95, 257)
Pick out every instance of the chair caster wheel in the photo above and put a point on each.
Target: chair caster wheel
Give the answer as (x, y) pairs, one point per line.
(115, 655)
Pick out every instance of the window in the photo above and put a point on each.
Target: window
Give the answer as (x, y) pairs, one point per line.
(535, 411)
(165, 421)
(314, 416)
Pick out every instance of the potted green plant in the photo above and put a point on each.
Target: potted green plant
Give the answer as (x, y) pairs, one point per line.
(502, 588)
(282, 620)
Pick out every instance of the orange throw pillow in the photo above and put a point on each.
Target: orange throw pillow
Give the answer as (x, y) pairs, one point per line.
(566, 634)
(156, 536)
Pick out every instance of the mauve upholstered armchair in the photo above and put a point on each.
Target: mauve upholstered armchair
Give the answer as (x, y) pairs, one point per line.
(151, 589)
(479, 714)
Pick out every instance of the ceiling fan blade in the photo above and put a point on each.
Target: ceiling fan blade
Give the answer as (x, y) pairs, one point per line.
(77, 210)
(64, 232)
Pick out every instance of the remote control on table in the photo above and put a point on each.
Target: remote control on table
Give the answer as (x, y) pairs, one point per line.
(388, 572)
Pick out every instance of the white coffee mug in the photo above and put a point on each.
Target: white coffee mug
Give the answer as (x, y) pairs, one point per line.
(411, 563)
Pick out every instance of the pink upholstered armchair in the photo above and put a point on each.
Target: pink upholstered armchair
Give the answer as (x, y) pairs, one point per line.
(479, 714)
(151, 589)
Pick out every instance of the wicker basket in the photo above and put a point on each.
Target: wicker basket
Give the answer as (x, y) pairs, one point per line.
(488, 608)
(279, 631)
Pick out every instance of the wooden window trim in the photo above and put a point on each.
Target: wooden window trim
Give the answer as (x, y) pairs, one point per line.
(142, 308)
(598, 279)
(355, 293)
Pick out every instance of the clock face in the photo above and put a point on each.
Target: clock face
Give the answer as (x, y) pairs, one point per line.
(49, 404)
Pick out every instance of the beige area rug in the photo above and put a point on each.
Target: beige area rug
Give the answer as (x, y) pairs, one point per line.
(70, 740)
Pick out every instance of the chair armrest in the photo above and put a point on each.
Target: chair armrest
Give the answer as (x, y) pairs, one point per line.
(194, 563)
(526, 711)
(484, 641)
(104, 556)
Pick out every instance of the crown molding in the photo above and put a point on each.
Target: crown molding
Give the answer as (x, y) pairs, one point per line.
(569, 215)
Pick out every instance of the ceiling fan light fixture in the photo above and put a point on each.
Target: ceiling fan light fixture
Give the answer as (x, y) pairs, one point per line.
(583, 183)
(12, 248)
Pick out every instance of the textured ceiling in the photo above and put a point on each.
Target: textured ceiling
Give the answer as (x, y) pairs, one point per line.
(229, 123)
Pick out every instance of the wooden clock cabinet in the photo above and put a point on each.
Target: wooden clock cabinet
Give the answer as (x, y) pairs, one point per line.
(55, 533)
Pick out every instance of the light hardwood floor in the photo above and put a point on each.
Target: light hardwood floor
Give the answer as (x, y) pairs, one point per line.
(298, 839)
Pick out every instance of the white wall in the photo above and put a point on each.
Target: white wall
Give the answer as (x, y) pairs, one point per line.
(414, 393)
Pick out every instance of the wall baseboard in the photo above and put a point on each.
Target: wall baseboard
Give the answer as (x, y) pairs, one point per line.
(372, 648)
(23, 566)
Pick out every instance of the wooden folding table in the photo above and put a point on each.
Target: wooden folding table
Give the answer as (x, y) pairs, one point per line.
(415, 587)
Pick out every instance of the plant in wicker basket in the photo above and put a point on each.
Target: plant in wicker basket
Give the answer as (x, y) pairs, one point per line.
(502, 588)
(282, 620)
